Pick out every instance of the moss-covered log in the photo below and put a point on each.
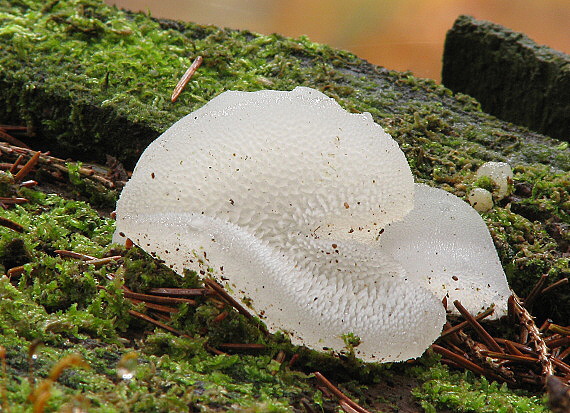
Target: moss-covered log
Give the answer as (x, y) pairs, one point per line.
(513, 77)
(92, 80)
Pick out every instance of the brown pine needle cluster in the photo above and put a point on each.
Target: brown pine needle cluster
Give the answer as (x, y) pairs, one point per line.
(532, 358)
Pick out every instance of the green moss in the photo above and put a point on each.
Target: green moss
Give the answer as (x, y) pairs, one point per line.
(142, 272)
(463, 392)
(98, 195)
(485, 182)
(530, 232)
(107, 76)
(56, 302)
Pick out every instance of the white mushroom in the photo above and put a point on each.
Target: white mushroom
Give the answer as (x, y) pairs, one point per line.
(291, 200)
(500, 173)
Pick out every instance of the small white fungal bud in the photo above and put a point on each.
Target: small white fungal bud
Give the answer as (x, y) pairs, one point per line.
(500, 173)
(480, 199)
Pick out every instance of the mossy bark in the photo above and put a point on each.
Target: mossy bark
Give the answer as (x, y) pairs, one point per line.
(93, 80)
(513, 77)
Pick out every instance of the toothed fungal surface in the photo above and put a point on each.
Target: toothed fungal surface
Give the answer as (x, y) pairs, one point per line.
(284, 197)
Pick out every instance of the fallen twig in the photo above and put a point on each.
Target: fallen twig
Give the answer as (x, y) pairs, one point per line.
(182, 292)
(513, 357)
(11, 139)
(528, 323)
(98, 262)
(30, 183)
(486, 337)
(479, 351)
(15, 271)
(460, 360)
(464, 324)
(27, 168)
(186, 78)
(555, 285)
(157, 307)
(347, 407)
(559, 329)
(242, 346)
(14, 168)
(340, 395)
(157, 323)
(73, 254)
(224, 295)
(220, 317)
(564, 354)
(5, 222)
(56, 167)
(535, 292)
(293, 360)
(157, 299)
(12, 201)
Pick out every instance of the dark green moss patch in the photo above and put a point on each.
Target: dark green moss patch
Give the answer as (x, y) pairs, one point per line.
(512, 76)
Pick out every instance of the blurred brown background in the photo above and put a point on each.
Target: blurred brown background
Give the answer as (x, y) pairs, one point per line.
(397, 34)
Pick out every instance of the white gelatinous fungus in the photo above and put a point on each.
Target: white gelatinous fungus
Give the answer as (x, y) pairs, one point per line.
(500, 173)
(480, 199)
(302, 207)
(443, 241)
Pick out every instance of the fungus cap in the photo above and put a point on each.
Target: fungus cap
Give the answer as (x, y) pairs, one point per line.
(284, 195)
(332, 171)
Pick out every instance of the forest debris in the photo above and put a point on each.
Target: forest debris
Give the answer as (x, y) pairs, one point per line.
(340, 395)
(56, 167)
(527, 322)
(27, 168)
(5, 222)
(157, 323)
(515, 363)
(12, 139)
(486, 337)
(186, 78)
(182, 292)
